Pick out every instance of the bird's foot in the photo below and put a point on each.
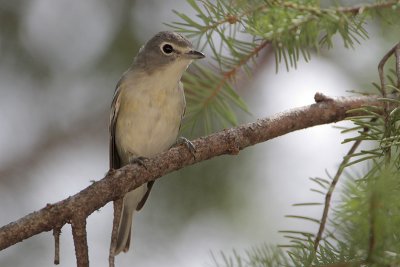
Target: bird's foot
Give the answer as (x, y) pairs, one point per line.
(138, 161)
(189, 145)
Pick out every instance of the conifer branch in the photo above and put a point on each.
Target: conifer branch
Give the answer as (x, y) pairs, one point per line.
(358, 9)
(361, 8)
(293, 29)
(230, 74)
(344, 264)
(331, 188)
(229, 141)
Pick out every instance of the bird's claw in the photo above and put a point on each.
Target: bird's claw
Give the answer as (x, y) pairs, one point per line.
(139, 161)
(187, 143)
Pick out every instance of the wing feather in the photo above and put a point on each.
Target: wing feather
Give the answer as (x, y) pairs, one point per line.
(115, 161)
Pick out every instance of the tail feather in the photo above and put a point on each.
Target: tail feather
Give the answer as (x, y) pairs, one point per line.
(128, 242)
(124, 230)
(131, 201)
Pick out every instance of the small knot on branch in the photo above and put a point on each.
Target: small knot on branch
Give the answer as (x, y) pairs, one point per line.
(320, 97)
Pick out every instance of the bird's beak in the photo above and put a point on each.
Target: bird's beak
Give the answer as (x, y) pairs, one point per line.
(193, 54)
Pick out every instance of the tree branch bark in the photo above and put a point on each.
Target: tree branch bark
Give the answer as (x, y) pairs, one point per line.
(80, 241)
(229, 141)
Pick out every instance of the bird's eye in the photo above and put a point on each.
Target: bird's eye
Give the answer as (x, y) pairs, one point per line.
(167, 49)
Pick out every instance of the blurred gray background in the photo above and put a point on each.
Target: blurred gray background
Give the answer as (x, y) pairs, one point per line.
(59, 63)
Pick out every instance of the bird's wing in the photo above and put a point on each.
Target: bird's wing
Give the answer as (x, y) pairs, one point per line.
(146, 195)
(180, 85)
(115, 161)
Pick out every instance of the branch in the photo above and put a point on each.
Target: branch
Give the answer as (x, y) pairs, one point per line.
(229, 141)
(56, 234)
(329, 194)
(231, 73)
(357, 9)
(344, 264)
(80, 241)
(113, 244)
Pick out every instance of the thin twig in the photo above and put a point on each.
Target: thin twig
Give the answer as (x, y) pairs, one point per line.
(228, 75)
(80, 241)
(344, 264)
(352, 9)
(56, 234)
(332, 186)
(360, 8)
(113, 244)
(231, 18)
(397, 55)
(381, 72)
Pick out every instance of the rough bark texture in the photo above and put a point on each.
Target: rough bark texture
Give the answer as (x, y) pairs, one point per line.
(230, 141)
(80, 241)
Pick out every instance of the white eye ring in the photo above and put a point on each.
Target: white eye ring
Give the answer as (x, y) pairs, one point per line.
(167, 49)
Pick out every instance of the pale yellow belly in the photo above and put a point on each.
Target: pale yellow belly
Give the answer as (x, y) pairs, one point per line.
(148, 126)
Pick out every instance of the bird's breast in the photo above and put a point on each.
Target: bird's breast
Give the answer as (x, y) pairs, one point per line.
(149, 119)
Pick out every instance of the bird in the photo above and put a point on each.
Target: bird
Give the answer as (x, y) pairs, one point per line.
(146, 113)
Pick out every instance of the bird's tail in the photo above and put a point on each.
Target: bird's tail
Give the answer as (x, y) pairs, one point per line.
(124, 229)
(131, 201)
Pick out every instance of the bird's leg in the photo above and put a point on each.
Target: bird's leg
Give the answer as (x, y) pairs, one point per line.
(187, 143)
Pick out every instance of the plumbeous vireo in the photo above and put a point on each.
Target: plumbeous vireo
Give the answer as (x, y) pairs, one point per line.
(146, 113)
